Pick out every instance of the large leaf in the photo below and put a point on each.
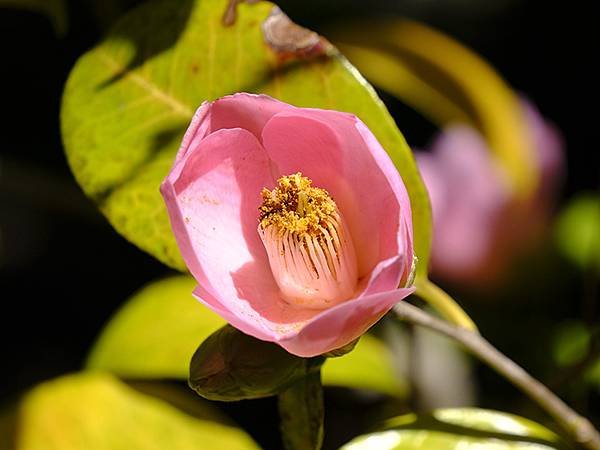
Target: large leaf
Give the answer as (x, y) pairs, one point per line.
(157, 331)
(97, 412)
(459, 429)
(369, 366)
(124, 112)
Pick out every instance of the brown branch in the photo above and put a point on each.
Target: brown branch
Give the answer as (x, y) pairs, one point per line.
(578, 427)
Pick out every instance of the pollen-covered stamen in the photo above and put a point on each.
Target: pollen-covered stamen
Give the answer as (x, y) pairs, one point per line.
(309, 247)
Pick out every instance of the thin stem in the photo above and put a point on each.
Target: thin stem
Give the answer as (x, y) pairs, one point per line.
(444, 304)
(301, 413)
(578, 427)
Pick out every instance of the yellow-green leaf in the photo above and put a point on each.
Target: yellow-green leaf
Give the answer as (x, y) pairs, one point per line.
(128, 101)
(368, 366)
(459, 429)
(155, 333)
(577, 231)
(95, 411)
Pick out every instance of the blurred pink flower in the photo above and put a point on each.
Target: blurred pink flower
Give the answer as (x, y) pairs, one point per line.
(478, 226)
(311, 290)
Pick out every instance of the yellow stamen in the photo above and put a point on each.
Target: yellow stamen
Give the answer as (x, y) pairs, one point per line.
(296, 206)
(309, 247)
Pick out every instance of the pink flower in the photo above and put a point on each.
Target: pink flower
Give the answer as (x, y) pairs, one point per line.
(294, 221)
(478, 226)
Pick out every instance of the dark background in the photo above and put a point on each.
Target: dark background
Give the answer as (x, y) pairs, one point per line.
(64, 271)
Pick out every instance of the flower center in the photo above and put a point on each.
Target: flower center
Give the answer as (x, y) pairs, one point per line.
(307, 240)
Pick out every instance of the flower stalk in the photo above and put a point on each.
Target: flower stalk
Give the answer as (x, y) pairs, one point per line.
(444, 304)
(301, 412)
(579, 428)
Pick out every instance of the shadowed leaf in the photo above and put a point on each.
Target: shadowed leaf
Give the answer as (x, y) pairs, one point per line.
(231, 366)
(55, 10)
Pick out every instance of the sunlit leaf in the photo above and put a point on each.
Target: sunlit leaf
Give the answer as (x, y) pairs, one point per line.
(128, 101)
(95, 411)
(368, 366)
(459, 429)
(578, 231)
(55, 10)
(156, 332)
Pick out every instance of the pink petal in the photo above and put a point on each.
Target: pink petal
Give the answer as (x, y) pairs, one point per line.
(248, 111)
(343, 323)
(213, 206)
(340, 154)
(468, 194)
(288, 325)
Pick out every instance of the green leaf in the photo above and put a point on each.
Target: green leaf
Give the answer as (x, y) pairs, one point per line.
(459, 428)
(95, 411)
(123, 114)
(571, 342)
(574, 344)
(592, 375)
(369, 366)
(55, 10)
(577, 231)
(156, 333)
(231, 366)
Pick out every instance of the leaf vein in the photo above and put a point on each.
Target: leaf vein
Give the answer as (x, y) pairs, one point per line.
(147, 85)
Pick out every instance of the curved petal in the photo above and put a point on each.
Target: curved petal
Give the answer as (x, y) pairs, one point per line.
(247, 111)
(213, 207)
(276, 321)
(340, 154)
(342, 324)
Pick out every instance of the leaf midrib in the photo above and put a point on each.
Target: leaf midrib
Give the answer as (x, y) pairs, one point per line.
(146, 84)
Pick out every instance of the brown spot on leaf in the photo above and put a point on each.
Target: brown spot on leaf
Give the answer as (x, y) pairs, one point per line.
(289, 39)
